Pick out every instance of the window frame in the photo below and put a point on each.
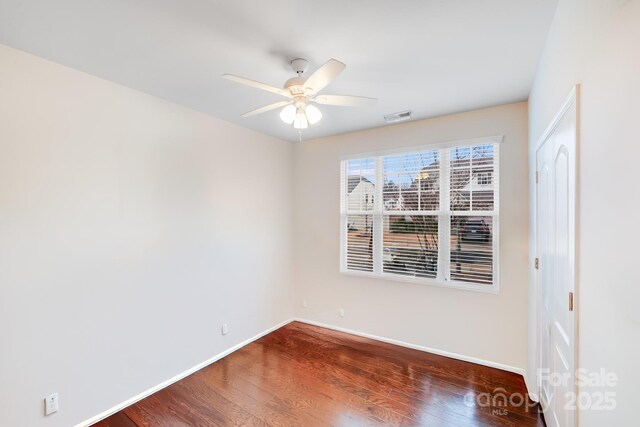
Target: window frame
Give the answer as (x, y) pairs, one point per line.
(444, 213)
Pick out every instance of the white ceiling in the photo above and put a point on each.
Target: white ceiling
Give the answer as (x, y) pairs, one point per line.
(433, 57)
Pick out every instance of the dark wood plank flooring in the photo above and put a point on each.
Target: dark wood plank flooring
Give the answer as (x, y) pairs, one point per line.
(303, 375)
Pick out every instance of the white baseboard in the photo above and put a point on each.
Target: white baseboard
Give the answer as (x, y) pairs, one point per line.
(462, 357)
(533, 395)
(219, 356)
(178, 377)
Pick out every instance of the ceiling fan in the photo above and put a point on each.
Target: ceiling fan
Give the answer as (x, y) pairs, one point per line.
(302, 93)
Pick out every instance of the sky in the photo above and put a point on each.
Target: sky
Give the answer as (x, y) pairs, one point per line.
(403, 169)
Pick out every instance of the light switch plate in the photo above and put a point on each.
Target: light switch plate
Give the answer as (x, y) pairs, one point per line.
(51, 404)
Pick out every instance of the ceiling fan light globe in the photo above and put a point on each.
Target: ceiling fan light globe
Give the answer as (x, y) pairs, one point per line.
(313, 114)
(288, 114)
(301, 121)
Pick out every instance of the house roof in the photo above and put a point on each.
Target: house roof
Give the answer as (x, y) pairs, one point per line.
(354, 180)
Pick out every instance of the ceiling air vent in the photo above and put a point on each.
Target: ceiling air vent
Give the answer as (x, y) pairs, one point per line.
(397, 117)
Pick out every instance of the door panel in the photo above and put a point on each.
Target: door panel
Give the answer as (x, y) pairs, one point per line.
(544, 274)
(555, 243)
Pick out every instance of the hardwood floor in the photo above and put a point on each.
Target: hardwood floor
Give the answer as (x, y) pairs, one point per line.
(302, 375)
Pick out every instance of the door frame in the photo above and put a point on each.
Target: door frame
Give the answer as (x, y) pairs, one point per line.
(573, 99)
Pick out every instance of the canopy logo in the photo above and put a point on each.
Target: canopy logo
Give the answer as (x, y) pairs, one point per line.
(593, 392)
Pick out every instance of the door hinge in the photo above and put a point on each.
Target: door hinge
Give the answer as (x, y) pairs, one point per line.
(570, 301)
(537, 263)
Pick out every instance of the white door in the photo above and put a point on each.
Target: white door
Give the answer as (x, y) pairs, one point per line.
(556, 219)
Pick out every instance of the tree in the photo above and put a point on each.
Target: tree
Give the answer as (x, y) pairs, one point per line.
(423, 195)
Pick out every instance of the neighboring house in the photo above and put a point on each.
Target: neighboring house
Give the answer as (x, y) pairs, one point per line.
(477, 193)
(422, 194)
(394, 204)
(481, 181)
(360, 194)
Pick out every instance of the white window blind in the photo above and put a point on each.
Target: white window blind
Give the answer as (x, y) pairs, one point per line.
(359, 187)
(428, 215)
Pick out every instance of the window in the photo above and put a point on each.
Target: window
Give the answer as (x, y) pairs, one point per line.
(427, 215)
(484, 178)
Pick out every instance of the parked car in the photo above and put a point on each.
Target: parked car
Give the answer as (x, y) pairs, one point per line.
(411, 262)
(475, 230)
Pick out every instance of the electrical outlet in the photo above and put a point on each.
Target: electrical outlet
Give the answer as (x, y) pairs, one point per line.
(342, 312)
(225, 329)
(304, 303)
(51, 404)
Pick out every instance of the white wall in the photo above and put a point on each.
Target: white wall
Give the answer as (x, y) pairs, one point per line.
(130, 230)
(596, 43)
(486, 326)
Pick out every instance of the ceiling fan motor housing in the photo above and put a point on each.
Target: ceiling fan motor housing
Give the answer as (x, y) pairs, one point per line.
(295, 85)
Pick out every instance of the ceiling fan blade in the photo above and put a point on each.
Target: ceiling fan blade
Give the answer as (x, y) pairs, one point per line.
(257, 85)
(324, 75)
(345, 100)
(266, 108)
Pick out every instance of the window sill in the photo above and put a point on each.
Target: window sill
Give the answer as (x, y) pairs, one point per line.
(488, 289)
